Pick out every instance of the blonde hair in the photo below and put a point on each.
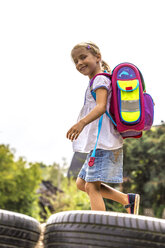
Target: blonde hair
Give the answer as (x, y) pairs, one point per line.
(93, 49)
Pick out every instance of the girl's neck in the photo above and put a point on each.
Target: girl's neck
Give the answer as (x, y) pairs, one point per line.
(96, 72)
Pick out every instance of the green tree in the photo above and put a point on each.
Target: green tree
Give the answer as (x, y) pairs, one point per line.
(144, 168)
(19, 181)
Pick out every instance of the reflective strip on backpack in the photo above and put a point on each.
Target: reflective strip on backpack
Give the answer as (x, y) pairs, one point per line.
(127, 106)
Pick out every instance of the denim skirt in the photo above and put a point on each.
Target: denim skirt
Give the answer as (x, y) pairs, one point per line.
(108, 167)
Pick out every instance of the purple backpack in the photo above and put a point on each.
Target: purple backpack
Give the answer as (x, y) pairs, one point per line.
(131, 109)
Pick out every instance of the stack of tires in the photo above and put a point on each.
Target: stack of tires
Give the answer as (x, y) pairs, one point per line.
(18, 230)
(94, 229)
(82, 229)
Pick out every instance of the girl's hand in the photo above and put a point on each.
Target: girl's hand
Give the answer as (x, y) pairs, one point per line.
(74, 131)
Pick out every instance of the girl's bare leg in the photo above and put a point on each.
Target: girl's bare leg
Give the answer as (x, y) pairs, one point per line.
(113, 194)
(106, 192)
(96, 199)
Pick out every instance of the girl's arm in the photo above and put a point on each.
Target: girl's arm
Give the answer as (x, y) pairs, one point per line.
(97, 111)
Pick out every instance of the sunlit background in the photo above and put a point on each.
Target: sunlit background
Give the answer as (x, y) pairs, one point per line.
(41, 92)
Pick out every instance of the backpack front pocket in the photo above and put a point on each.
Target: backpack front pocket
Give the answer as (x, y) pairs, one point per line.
(128, 92)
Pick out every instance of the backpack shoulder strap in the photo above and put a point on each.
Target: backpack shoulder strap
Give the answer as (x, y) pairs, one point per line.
(92, 158)
(99, 74)
(94, 94)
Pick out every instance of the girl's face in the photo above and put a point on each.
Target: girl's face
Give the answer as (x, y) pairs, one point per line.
(86, 63)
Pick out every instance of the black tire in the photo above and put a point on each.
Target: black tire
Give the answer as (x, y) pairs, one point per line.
(18, 230)
(93, 229)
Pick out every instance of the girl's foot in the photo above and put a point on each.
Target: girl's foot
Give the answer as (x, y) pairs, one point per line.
(134, 200)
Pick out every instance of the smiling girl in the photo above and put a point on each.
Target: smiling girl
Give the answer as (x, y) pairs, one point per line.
(108, 166)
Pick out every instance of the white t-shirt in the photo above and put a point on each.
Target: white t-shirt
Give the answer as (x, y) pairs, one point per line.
(109, 138)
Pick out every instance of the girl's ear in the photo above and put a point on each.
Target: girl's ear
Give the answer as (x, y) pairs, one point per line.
(98, 57)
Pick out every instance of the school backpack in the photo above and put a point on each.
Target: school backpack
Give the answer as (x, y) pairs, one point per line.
(131, 108)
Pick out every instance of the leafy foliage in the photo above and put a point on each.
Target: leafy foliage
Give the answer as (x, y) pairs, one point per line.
(144, 167)
(18, 183)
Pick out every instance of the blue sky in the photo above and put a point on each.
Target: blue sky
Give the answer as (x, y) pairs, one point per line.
(41, 92)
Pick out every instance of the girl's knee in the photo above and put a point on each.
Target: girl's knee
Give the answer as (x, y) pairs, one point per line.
(92, 187)
(87, 187)
(80, 184)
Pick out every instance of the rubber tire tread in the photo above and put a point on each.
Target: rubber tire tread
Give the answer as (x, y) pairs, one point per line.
(89, 229)
(18, 230)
